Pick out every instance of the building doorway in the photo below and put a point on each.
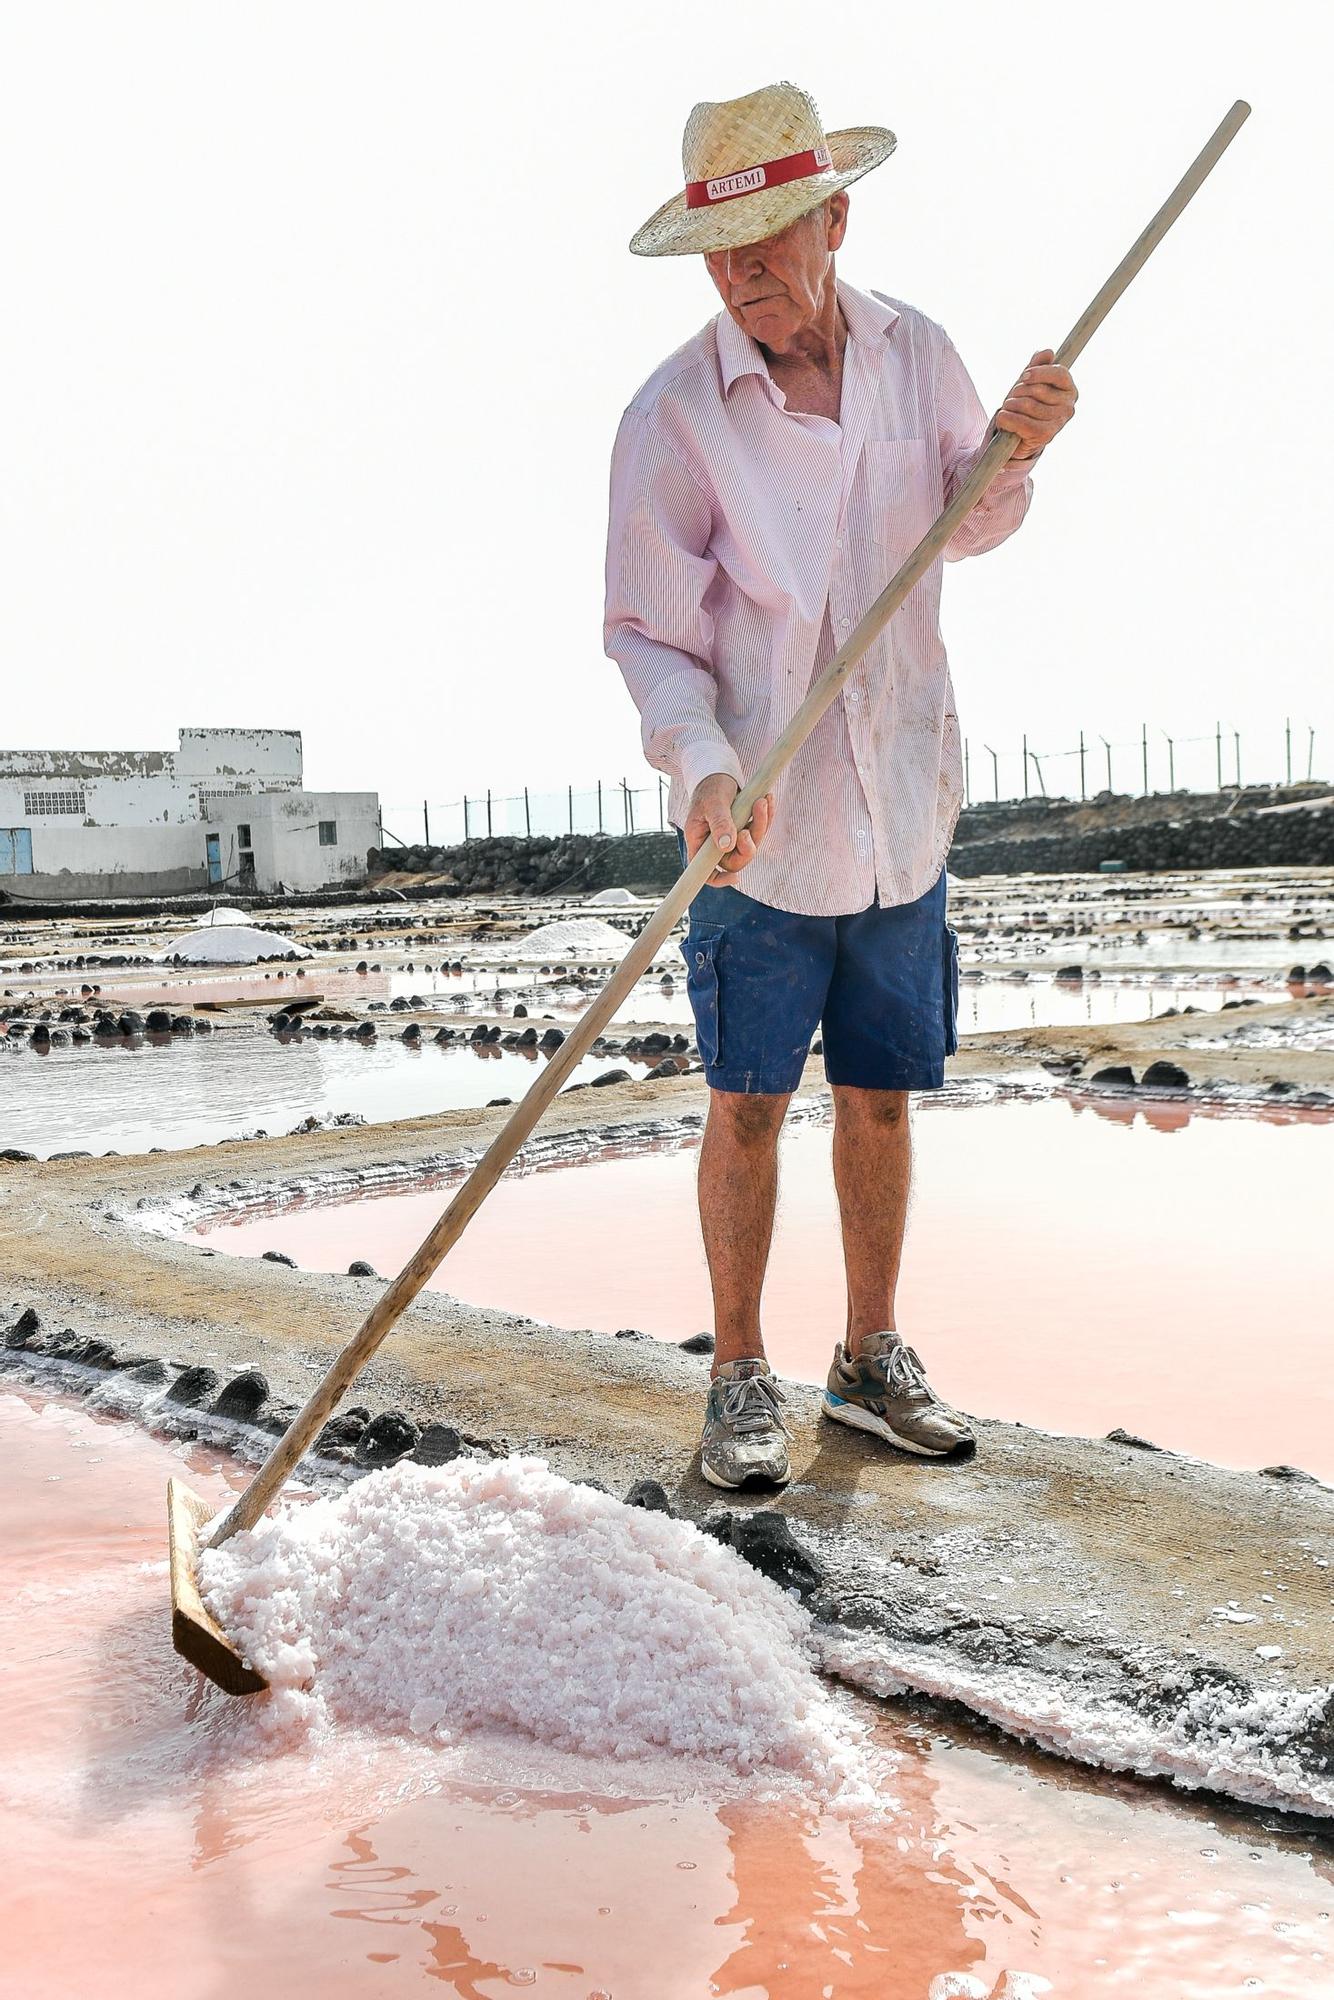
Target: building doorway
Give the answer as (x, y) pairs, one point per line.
(15, 850)
(213, 843)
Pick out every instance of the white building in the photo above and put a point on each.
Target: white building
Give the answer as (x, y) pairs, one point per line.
(227, 808)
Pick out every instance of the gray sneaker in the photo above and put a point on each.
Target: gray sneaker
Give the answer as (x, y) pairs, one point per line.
(744, 1438)
(884, 1390)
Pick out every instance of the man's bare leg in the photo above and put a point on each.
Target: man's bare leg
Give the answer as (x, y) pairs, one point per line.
(738, 1192)
(873, 1176)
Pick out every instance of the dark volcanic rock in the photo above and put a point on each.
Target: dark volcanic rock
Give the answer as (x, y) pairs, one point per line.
(152, 1373)
(94, 1354)
(192, 1385)
(1165, 1076)
(242, 1398)
(275, 1418)
(698, 1343)
(437, 1445)
(1119, 1075)
(650, 1494)
(611, 1076)
(359, 1268)
(1132, 1438)
(1289, 1472)
(279, 1257)
(25, 1327)
(344, 1429)
(767, 1543)
(15, 1153)
(386, 1438)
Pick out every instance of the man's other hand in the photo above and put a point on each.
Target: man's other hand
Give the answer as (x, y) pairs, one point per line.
(710, 813)
(1041, 403)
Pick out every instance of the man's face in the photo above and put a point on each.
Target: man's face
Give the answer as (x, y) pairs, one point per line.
(777, 290)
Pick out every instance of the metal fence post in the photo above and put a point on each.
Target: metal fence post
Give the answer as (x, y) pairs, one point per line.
(600, 805)
(1171, 765)
(426, 820)
(1236, 739)
(995, 772)
(571, 808)
(1144, 751)
(1287, 747)
(488, 812)
(467, 835)
(1025, 766)
(1310, 750)
(1082, 792)
(527, 815)
(1218, 752)
(1108, 748)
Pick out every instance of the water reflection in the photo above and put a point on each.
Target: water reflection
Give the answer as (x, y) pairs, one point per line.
(189, 1858)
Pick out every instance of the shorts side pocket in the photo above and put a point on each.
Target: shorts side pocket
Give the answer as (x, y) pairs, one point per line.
(700, 950)
(950, 979)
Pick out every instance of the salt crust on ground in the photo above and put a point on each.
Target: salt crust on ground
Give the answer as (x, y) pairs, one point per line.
(497, 1595)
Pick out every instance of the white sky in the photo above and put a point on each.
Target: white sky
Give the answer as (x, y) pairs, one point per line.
(318, 321)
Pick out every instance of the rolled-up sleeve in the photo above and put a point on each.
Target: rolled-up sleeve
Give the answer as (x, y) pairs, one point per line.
(658, 628)
(963, 430)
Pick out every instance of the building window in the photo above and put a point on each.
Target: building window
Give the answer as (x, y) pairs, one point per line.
(40, 804)
(243, 835)
(328, 833)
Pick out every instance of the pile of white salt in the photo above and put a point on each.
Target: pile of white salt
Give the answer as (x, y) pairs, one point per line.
(489, 1595)
(574, 940)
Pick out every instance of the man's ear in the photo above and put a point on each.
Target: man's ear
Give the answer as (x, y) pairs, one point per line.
(836, 209)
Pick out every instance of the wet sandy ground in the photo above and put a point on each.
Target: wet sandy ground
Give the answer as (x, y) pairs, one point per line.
(155, 1848)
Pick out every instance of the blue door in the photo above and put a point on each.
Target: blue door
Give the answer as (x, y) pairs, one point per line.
(15, 850)
(214, 857)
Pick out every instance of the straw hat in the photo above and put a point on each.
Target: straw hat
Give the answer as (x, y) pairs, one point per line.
(752, 165)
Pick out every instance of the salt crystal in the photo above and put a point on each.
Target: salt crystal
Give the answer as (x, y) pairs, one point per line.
(497, 1595)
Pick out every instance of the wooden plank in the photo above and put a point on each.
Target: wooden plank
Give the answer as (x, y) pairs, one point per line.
(195, 1633)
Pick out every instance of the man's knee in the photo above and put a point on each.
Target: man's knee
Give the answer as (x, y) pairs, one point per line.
(748, 1118)
(877, 1109)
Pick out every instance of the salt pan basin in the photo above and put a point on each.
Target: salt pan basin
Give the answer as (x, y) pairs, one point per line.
(1082, 1266)
(163, 1842)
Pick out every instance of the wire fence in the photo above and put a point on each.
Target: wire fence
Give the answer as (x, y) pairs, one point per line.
(1155, 761)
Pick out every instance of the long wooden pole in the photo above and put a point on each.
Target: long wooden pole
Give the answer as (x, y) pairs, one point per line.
(338, 1378)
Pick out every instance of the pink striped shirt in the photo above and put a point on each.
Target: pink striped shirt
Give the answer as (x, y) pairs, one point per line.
(746, 541)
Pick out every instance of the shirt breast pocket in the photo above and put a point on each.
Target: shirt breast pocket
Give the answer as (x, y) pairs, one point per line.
(899, 489)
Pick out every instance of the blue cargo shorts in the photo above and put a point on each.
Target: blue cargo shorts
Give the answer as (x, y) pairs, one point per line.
(883, 987)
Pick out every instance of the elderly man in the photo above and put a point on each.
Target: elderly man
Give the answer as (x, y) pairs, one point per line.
(767, 482)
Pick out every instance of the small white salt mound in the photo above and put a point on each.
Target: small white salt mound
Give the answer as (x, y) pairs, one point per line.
(220, 914)
(581, 940)
(613, 898)
(496, 1595)
(231, 944)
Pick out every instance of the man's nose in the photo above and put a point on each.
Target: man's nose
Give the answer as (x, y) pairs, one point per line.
(744, 262)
